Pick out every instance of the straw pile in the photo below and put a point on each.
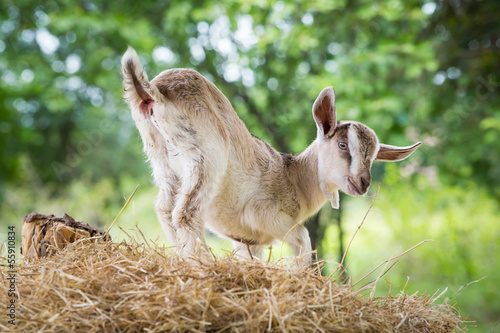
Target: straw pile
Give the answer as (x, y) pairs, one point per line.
(131, 287)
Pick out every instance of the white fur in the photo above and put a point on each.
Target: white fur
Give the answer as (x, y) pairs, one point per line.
(354, 150)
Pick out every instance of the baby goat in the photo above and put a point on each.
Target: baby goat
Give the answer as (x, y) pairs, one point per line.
(211, 171)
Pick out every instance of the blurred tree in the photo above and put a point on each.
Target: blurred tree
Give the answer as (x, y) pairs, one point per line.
(462, 112)
(60, 65)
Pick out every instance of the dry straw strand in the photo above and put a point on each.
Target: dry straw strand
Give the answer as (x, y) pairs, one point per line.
(121, 211)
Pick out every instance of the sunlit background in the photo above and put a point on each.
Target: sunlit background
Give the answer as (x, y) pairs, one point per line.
(412, 70)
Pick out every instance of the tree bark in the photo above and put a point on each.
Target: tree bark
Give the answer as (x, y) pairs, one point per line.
(314, 229)
(344, 274)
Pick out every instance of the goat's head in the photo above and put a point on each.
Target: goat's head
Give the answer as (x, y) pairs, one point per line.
(347, 150)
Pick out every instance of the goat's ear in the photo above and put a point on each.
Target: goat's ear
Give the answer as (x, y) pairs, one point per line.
(390, 153)
(324, 112)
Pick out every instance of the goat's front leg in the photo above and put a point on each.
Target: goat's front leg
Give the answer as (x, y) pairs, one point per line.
(296, 236)
(299, 241)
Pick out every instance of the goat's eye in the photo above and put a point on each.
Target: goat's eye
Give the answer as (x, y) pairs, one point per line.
(343, 145)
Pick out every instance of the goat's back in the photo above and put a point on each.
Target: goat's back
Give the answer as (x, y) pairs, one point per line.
(203, 103)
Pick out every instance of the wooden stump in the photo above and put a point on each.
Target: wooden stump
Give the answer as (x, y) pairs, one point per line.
(42, 234)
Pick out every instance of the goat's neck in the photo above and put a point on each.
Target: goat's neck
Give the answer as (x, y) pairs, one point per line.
(304, 175)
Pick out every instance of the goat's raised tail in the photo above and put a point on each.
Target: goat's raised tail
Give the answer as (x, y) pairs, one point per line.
(138, 90)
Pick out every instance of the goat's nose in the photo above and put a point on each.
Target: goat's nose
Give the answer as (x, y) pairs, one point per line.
(365, 180)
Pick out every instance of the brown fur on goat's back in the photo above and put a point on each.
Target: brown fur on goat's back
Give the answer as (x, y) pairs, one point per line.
(189, 90)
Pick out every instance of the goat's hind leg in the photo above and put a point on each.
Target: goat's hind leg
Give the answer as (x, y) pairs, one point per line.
(164, 206)
(167, 182)
(195, 194)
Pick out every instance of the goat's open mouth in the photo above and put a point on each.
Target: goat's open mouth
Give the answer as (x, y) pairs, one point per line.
(353, 186)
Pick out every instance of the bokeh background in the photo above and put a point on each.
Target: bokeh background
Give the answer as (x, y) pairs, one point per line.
(412, 70)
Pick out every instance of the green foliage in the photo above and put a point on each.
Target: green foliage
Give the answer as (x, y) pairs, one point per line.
(465, 253)
(463, 223)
